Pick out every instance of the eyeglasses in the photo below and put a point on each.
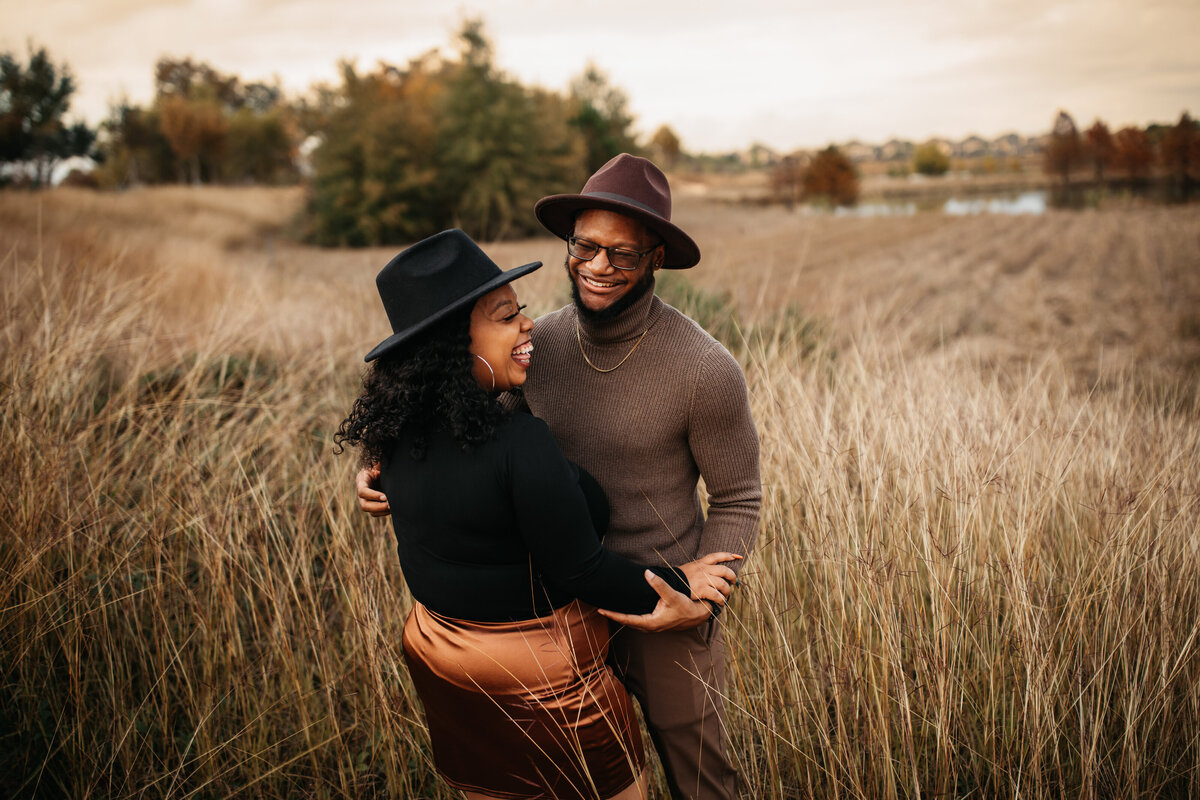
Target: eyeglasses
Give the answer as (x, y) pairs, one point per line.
(617, 256)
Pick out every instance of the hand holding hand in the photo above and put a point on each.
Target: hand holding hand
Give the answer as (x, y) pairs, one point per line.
(674, 612)
(370, 499)
(709, 578)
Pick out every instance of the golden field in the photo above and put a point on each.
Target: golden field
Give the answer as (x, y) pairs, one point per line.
(978, 571)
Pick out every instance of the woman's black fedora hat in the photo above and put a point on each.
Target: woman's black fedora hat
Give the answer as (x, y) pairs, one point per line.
(433, 278)
(631, 186)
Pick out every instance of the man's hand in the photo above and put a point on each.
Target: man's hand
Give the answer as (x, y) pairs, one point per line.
(674, 612)
(709, 579)
(371, 500)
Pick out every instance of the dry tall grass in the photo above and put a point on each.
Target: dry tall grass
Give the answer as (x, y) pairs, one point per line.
(978, 573)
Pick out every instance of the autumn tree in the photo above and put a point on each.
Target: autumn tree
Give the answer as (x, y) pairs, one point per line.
(787, 180)
(1133, 152)
(930, 159)
(832, 176)
(1181, 153)
(1099, 148)
(666, 146)
(195, 128)
(34, 99)
(221, 129)
(1064, 150)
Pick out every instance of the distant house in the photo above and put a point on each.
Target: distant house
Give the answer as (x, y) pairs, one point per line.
(801, 157)
(1008, 145)
(1036, 144)
(945, 145)
(972, 147)
(896, 150)
(759, 155)
(858, 152)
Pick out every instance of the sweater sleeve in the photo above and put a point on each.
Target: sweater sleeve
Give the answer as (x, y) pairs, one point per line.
(552, 515)
(724, 443)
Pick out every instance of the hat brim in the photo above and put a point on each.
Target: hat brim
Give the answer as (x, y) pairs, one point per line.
(468, 298)
(558, 211)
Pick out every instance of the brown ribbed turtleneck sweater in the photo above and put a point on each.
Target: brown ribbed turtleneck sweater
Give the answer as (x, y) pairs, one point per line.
(675, 410)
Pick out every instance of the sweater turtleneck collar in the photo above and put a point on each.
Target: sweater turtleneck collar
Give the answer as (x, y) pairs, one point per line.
(629, 324)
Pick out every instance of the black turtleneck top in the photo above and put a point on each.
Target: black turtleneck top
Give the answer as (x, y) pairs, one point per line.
(508, 530)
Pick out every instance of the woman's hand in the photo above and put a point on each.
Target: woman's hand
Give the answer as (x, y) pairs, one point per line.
(674, 612)
(709, 578)
(370, 499)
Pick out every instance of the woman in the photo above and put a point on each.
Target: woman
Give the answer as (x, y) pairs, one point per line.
(496, 533)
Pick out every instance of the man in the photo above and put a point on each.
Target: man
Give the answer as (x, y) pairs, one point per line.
(647, 402)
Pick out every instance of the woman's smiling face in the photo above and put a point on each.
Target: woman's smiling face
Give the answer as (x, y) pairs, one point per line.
(500, 335)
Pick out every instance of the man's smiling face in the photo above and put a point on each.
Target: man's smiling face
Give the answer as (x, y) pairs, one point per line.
(599, 287)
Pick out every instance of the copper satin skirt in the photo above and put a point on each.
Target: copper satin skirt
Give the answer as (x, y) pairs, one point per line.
(524, 709)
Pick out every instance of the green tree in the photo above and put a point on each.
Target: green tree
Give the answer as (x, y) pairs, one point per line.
(499, 148)
(135, 149)
(407, 152)
(833, 177)
(185, 78)
(33, 102)
(374, 178)
(602, 116)
(259, 147)
(930, 159)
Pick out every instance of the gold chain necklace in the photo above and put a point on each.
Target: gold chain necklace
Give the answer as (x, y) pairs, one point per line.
(579, 339)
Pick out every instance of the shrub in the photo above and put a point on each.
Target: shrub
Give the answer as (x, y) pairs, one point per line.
(930, 159)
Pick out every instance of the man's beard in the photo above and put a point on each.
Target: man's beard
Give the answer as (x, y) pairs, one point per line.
(636, 292)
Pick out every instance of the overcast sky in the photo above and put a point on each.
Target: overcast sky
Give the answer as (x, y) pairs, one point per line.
(723, 75)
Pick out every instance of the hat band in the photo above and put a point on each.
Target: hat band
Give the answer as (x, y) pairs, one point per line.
(620, 198)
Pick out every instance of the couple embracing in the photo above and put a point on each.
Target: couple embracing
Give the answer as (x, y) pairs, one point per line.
(505, 449)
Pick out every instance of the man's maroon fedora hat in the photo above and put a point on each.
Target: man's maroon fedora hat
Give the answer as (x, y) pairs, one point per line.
(631, 186)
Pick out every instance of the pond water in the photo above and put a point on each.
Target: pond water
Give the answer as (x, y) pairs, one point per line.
(1029, 202)
(1026, 201)
(1033, 201)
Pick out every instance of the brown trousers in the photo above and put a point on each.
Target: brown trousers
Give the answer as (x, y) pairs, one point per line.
(678, 679)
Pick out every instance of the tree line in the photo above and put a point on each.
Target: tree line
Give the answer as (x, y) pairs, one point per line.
(1171, 152)
(394, 153)
(452, 142)
(388, 155)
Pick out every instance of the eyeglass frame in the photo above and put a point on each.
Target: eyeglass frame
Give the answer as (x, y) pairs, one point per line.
(608, 251)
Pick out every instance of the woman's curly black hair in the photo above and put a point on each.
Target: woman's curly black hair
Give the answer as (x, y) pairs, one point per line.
(422, 385)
